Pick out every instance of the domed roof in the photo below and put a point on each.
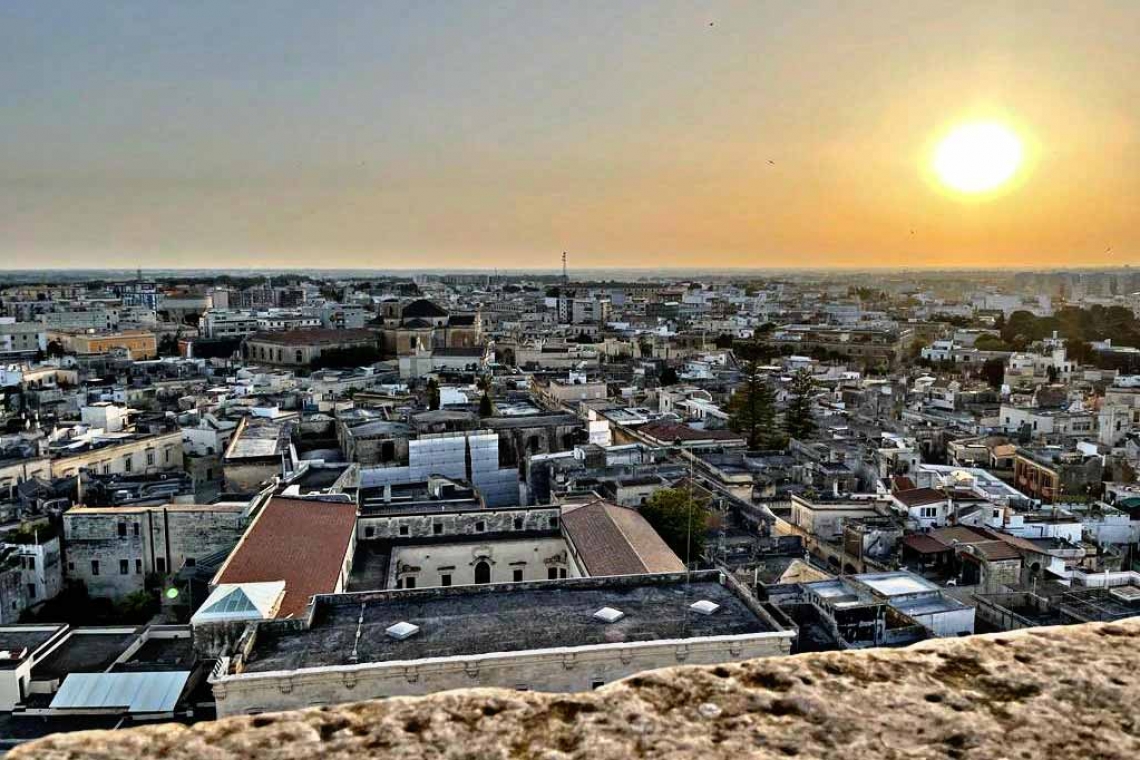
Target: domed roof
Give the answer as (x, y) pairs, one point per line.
(422, 308)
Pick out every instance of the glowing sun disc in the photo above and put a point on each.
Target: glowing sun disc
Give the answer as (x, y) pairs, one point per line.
(977, 158)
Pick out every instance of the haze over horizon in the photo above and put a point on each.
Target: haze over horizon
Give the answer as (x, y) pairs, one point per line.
(482, 135)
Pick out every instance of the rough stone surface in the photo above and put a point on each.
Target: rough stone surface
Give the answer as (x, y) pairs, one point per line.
(1042, 693)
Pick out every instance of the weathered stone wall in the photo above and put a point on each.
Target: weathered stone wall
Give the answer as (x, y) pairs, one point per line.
(1069, 692)
(535, 519)
(572, 669)
(154, 540)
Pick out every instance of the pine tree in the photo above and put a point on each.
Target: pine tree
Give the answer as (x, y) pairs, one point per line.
(798, 420)
(752, 410)
(486, 405)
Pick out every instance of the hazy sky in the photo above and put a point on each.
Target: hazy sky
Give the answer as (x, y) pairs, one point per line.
(493, 134)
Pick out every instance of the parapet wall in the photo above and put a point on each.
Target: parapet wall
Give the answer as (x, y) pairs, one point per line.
(1068, 692)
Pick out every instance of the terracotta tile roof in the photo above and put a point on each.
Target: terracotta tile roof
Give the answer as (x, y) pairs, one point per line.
(315, 336)
(902, 483)
(615, 540)
(924, 544)
(986, 544)
(668, 432)
(918, 496)
(300, 541)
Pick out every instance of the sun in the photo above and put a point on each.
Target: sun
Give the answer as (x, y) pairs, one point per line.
(978, 158)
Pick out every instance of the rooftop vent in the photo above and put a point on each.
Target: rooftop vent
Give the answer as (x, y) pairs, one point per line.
(608, 615)
(402, 630)
(704, 607)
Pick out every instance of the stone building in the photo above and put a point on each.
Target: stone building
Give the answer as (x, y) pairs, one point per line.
(426, 325)
(565, 635)
(259, 450)
(119, 453)
(300, 348)
(113, 549)
(141, 344)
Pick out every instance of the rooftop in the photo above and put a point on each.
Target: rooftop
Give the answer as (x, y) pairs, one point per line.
(475, 620)
(615, 540)
(315, 337)
(85, 650)
(300, 541)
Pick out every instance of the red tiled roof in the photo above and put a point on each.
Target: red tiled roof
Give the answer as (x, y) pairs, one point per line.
(902, 483)
(300, 541)
(314, 336)
(615, 540)
(917, 496)
(668, 432)
(924, 544)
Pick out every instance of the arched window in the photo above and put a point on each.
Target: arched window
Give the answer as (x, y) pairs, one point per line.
(482, 572)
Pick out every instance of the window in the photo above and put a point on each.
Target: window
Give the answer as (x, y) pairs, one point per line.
(403, 530)
(138, 567)
(166, 455)
(928, 512)
(517, 575)
(150, 458)
(561, 572)
(410, 582)
(160, 564)
(518, 523)
(128, 464)
(552, 574)
(71, 567)
(31, 591)
(437, 528)
(597, 683)
(136, 529)
(122, 530)
(480, 526)
(369, 532)
(299, 357)
(106, 468)
(94, 567)
(445, 579)
(554, 522)
(124, 567)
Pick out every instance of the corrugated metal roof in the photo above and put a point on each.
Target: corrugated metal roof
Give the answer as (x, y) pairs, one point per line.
(131, 692)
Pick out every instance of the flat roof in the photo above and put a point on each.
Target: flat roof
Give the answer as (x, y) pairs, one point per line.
(896, 584)
(473, 620)
(16, 638)
(85, 651)
(929, 605)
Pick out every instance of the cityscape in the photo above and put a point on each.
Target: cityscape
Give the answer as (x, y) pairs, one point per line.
(348, 409)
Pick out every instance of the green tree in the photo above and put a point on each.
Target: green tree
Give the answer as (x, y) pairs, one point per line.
(798, 420)
(752, 411)
(486, 405)
(680, 521)
(432, 393)
(993, 370)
